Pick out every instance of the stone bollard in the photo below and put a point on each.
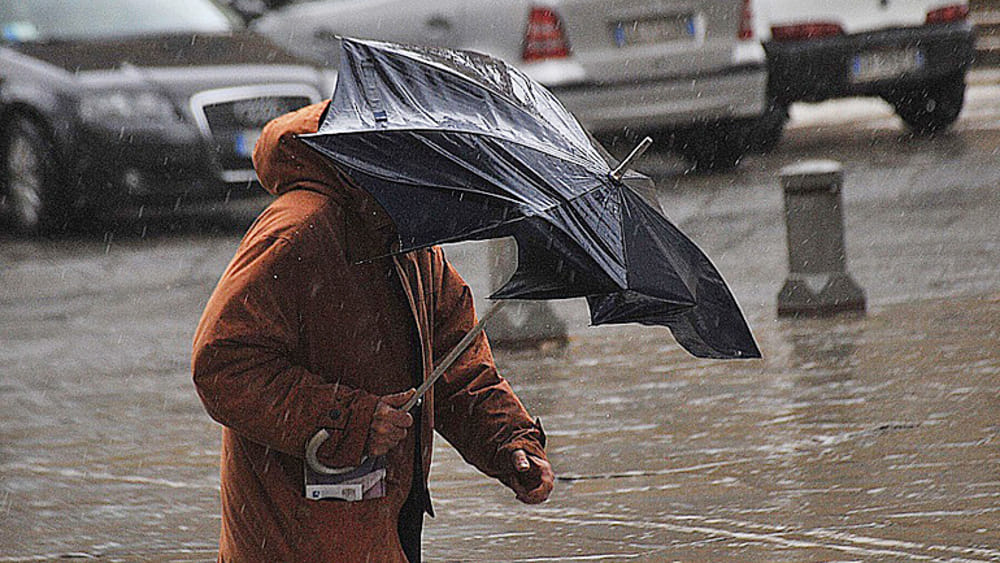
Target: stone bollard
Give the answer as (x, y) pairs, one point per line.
(818, 283)
(520, 324)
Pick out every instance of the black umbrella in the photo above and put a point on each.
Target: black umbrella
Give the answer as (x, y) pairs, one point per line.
(456, 145)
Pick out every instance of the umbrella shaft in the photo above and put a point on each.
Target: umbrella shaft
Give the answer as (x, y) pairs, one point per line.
(453, 355)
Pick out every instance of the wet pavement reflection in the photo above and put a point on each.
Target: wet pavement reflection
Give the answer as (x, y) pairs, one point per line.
(846, 443)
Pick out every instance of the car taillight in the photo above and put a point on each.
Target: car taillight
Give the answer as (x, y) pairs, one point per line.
(746, 22)
(805, 31)
(544, 38)
(948, 14)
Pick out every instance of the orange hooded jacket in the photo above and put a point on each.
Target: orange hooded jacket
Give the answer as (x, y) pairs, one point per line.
(298, 336)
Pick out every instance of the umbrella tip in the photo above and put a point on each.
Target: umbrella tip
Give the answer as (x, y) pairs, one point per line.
(617, 173)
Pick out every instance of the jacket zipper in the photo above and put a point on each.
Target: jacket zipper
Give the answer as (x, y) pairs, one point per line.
(411, 299)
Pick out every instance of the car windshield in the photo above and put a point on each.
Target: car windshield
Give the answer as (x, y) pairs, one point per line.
(47, 20)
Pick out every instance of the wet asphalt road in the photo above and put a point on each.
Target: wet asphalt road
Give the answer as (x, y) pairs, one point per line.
(872, 438)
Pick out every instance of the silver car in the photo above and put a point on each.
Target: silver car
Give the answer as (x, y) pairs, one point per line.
(689, 71)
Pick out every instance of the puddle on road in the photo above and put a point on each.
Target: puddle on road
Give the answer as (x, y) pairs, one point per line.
(854, 440)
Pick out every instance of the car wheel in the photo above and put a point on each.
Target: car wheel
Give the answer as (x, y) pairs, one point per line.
(713, 147)
(28, 178)
(766, 131)
(932, 107)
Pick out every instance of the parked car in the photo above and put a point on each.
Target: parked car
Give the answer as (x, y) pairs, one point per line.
(912, 53)
(108, 103)
(686, 69)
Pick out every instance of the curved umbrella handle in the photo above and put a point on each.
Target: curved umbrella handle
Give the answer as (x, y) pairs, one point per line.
(315, 464)
(312, 447)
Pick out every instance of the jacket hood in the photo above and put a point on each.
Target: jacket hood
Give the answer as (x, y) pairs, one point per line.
(284, 163)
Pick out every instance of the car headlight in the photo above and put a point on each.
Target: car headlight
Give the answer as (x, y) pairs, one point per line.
(138, 109)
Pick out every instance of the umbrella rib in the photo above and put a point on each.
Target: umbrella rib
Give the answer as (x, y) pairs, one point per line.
(564, 201)
(471, 235)
(621, 227)
(587, 164)
(393, 179)
(439, 186)
(569, 158)
(570, 200)
(468, 168)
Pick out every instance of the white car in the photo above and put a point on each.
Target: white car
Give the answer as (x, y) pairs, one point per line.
(912, 53)
(689, 70)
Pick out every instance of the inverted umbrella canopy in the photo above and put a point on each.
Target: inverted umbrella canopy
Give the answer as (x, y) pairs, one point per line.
(457, 145)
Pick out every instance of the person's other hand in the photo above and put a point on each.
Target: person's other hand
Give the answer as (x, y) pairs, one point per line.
(389, 424)
(535, 478)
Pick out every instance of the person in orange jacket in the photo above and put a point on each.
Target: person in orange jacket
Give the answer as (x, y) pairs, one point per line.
(299, 336)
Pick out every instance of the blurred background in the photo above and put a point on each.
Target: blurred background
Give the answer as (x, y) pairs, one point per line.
(126, 130)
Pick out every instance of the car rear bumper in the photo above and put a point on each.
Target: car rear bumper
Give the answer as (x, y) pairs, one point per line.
(736, 93)
(820, 69)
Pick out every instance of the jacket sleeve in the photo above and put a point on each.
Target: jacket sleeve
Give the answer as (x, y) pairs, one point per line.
(244, 367)
(475, 408)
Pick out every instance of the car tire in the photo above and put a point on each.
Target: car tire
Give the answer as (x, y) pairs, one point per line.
(29, 178)
(766, 131)
(713, 147)
(932, 107)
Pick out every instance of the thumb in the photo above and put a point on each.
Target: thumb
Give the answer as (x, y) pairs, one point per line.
(397, 400)
(521, 462)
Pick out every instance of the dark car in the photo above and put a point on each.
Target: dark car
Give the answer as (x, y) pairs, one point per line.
(912, 53)
(111, 104)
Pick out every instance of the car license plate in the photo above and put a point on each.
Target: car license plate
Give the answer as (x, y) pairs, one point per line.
(650, 31)
(871, 66)
(245, 141)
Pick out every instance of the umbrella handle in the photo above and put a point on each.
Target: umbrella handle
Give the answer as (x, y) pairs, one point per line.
(318, 466)
(321, 436)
